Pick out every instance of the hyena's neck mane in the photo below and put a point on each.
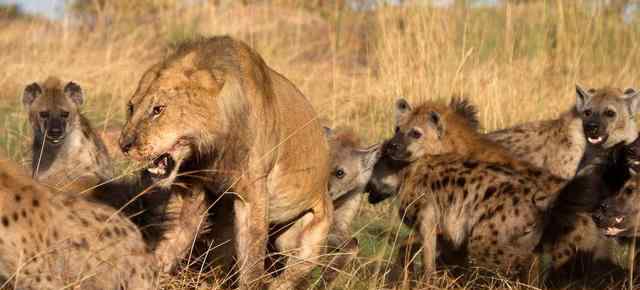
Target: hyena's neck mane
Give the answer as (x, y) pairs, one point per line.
(463, 136)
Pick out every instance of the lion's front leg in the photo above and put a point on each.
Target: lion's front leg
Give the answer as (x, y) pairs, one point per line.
(187, 218)
(251, 231)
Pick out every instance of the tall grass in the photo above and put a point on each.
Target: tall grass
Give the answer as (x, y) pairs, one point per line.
(516, 62)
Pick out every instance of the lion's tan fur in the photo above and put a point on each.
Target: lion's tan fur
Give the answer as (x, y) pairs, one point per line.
(233, 123)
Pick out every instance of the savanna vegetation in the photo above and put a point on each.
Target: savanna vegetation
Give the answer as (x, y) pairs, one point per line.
(517, 61)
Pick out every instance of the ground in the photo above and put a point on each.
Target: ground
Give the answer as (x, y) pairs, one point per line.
(515, 62)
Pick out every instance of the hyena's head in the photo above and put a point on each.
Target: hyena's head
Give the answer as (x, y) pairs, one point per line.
(429, 129)
(351, 165)
(53, 109)
(608, 115)
(386, 179)
(619, 215)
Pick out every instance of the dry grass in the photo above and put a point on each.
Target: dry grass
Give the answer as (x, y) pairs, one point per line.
(516, 62)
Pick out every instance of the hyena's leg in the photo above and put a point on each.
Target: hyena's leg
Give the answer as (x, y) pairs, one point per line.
(251, 230)
(403, 269)
(344, 248)
(428, 231)
(303, 243)
(188, 217)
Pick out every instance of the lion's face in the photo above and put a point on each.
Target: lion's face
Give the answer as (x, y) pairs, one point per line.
(165, 119)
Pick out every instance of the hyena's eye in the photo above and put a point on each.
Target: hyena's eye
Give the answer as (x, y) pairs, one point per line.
(415, 134)
(44, 114)
(64, 114)
(397, 129)
(587, 112)
(610, 113)
(157, 110)
(339, 173)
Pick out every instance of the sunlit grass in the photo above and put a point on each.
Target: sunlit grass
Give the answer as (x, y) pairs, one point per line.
(515, 62)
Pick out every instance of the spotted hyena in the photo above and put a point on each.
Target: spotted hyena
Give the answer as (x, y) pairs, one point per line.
(53, 241)
(65, 147)
(604, 116)
(351, 168)
(578, 251)
(463, 192)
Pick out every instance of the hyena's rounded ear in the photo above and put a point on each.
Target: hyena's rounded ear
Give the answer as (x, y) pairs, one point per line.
(402, 109)
(583, 97)
(632, 98)
(74, 92)
(328, 132)
(435, 120)
(31, 92)
(630, 91)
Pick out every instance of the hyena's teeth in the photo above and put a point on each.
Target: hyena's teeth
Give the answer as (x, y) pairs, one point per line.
(619, 219)
(594, 140)
(611, 231)
(156, 171)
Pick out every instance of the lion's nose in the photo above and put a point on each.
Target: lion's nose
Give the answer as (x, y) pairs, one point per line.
(126, 143)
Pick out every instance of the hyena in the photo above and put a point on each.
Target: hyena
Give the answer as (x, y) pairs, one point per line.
(65, 147)
(461, 188)
(578, 237)
(604, 117)
(53, 241)
(579, 253)
(351, 168)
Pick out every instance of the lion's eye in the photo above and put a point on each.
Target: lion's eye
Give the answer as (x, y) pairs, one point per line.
(44, 114)
(397, 129)
(157, 110)
(130, 109)
(587, 112)
(415, 134)
(339, 173)
(610, 113)
(64, 114)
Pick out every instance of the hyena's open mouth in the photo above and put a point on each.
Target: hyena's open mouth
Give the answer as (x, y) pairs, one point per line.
(597, 138)
(619, 225)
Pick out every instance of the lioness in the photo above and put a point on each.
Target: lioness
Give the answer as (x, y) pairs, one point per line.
(214, 114)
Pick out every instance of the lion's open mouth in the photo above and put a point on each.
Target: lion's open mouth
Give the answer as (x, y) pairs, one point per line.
(162, 166)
